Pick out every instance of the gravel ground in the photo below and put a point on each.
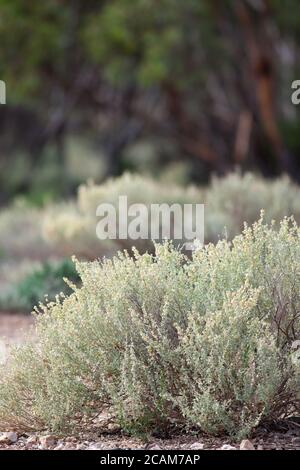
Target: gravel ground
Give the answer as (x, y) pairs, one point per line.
(269, 441)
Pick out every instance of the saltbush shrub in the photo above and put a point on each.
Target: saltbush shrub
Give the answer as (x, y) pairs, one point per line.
(163, 340)
(73, 228)
(235, 199)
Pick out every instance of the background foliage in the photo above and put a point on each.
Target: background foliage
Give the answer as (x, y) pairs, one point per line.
(205, 83)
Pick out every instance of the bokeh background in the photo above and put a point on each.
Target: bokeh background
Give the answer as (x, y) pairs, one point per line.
(174, 91)
(172, 88)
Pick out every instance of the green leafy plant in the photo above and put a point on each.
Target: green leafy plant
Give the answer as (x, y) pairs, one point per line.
(46, 280)
(168, 341)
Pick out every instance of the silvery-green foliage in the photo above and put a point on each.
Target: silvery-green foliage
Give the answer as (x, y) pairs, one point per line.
(20, 232)
(165, 340)
(70, 231)
(232, 200)
(72, 227)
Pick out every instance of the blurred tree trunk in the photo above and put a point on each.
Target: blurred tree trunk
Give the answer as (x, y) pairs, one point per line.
(260, 49)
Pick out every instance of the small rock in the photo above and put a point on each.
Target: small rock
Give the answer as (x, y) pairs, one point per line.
(154, 447)
(113, 427)
(197, 446)
(59, 447)
(8, 438)
(47, 441)
(32, 440)
(96, 446)
(69, 446)
(80, 447)
(64, 446)
(227, 447)
(246, 445)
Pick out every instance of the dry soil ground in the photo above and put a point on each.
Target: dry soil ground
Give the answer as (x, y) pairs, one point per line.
(13, 327)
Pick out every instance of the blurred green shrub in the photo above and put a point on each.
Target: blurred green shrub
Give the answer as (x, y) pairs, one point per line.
(235, 199)
(205, 343)
(229, 202)
(71, 228)
(20, 232)
(46, 280)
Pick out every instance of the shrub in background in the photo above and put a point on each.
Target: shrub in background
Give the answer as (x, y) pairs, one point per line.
(72, 228)
(69, 232)
(229, 202)
(235, 199)
(21, 234)
(164, 340)
(44, 280)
